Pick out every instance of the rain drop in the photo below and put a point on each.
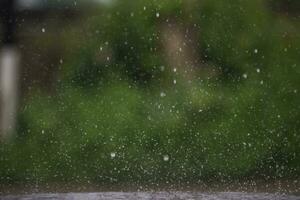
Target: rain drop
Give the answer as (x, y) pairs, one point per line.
(166, 158)
(112, 155)
(162, 94)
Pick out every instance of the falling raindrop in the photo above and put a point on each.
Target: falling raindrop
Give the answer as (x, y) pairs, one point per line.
(162, 94)
(261, 82)
(112, 155)
(166, 158)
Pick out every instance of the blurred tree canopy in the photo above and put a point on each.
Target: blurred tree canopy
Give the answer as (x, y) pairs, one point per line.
(168, 91)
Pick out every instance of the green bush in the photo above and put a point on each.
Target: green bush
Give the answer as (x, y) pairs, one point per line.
(118, 116)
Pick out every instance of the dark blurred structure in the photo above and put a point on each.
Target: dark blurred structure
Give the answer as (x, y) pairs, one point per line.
(20, 16)
(287, 7)
(9, 57)
(8, 20)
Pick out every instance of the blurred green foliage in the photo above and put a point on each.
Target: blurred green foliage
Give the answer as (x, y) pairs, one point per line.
(118, 116)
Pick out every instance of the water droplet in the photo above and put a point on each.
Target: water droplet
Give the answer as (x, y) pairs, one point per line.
(175, 82)
(245, 76)
(261, 82)
(162, 94)
(255, 51)
(157, 14)
(43, 30)
(166, 158)
(112, 155)
(258, 70)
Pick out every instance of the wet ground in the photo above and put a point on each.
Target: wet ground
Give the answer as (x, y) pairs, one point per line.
(153, 196)
(249, 190)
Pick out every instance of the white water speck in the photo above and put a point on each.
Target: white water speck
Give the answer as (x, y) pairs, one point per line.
(43, 30)
(255, 51)
(166, 158)
(175, 82)
(258, 70)
(162, 94)
(245, 76)
(112, 155)
(175, 70)
(157, 14)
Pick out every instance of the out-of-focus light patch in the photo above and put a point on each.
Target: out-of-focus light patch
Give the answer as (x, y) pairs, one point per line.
(42, 4)
(105, 2)
(30, 4)
(9, 64)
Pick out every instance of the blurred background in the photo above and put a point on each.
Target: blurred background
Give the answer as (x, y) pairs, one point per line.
(149, 92)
